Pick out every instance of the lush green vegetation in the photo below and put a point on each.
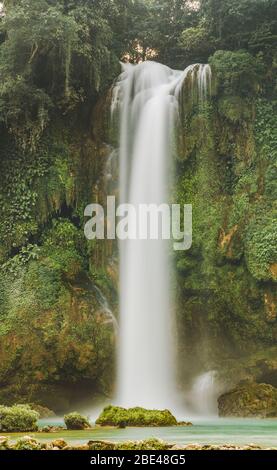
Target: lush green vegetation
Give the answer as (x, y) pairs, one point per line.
(58, 59)
(117, 416)
(76, 421)
(18, 418)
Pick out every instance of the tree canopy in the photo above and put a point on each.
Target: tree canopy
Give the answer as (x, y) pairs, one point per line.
(56, 55)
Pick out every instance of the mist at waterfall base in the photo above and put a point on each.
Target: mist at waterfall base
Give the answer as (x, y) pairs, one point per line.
(146, 98)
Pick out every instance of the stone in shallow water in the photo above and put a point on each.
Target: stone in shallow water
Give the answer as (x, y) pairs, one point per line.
(60, 443)
(76, 421)
(178, 447)
(101, 445)
(4, 442)
(117, 416)
(47, 429)
(79, 447)
(27, 443)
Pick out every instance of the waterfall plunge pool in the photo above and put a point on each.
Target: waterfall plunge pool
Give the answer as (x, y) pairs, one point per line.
(238, 431)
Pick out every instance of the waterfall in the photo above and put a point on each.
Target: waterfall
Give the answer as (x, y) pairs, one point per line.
(146, 96)
(110, 318)
(202, 399)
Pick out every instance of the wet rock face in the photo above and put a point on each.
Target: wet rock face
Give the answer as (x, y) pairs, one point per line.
(249, 400)
(52, 356)
(226, 315)
(57, 339)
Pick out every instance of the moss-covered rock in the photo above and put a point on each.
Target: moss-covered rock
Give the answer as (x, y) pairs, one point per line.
(27, 443)
(226, 169)
(56, 338)
(4, 443)
(60, 443)
(147, 444)
(55, 341)
(18, 418)
(76, 421)
(116, 416)
(101, 445)
(249, 400)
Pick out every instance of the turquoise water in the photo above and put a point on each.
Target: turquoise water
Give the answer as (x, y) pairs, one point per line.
(209, 431)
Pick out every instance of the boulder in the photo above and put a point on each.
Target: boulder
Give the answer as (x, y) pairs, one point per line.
(27, 443)
(76, 421)
(117, 416)
(147, 444)
(60, 443)
(101, 445)
(249, 400)
(4, 443)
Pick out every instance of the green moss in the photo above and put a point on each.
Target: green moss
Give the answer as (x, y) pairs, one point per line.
(261, 246)
(186, 264)
(116, 416)
(235, 109)
(148, 444)
(237, 71)
(52, 328)
(228, 173)
(27, 443)
(249, 400)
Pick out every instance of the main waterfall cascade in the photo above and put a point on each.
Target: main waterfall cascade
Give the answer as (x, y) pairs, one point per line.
(147, 98)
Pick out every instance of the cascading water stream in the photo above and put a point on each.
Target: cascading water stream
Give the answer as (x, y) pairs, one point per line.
(202, 398)
(147, 97)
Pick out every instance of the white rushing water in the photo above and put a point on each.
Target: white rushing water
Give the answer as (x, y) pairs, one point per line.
(202, 398)
(110, 318)
(147, 98)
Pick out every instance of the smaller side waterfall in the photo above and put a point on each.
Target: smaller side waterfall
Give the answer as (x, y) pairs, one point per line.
(204, 77)
(110, 318)
(197, 79)
(202, 398)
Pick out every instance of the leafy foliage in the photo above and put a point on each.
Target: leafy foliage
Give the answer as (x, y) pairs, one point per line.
(54, 55)
(76, 421)
(186, 31)
(196, 43)
(18, 418)
(237, 72)
(240, 24)
(261, 246)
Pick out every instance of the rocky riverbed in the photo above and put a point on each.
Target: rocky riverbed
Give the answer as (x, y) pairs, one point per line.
(30, 443)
